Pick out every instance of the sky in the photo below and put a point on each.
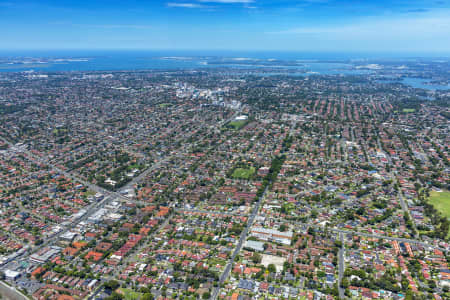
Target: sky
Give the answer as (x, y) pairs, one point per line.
(411, 26)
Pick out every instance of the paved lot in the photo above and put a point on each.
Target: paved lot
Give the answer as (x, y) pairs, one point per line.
(8, 292)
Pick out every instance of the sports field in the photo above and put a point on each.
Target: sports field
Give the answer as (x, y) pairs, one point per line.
(241, 173)
(238, 124)
(441, 201)
(129, 294)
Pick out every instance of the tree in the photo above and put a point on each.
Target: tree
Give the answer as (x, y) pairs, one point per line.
(409, 295)
(114, 296)
(344, 283)
(256, 258)
(147, 296)
(316, 263)
(206, 295)
(271, 268)
(112, 284)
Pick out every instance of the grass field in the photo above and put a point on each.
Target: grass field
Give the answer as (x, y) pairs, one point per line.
(236, 125)
(441, 201)
(240, 173)
(409, 110)
(215, 261)
(130, 295)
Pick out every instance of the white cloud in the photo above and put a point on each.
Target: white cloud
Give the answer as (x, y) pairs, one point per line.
(425, 32)
(120, 26)
(101, 26)
(227, 1)
(198, 3)
(186, 5)
(431, 25)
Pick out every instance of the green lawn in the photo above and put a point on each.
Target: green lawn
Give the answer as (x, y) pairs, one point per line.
(240, 173)
(237, 124)
(130, 294)
(441, 201)
(215, 261)
(287, 207)
(409, 110)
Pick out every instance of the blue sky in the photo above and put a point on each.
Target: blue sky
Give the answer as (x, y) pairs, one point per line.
(291, 25)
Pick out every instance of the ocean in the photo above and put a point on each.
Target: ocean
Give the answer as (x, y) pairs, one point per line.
(297, 63)
(84, 60)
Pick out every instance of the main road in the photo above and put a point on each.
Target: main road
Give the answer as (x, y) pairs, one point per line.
(377, 236)
(341, 266)
(239, 245)
(403, 204)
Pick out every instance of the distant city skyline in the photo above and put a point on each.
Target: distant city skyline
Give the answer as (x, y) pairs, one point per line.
(303, 25)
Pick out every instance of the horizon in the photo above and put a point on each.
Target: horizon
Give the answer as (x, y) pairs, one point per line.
(231, 53)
